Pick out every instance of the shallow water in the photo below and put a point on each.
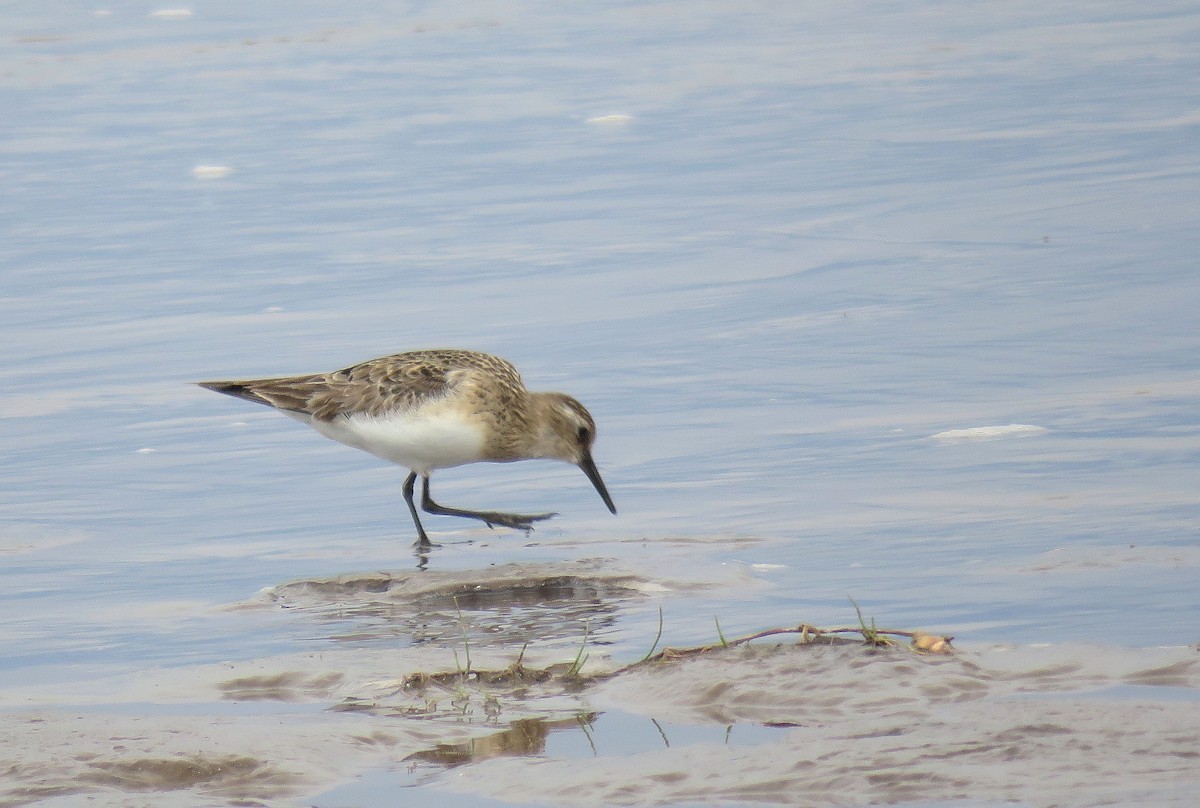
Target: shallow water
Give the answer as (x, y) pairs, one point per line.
(894, 304)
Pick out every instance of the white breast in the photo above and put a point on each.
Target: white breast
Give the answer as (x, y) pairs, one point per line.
(422, 444)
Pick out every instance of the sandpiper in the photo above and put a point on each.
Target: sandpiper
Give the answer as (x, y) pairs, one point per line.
(436, 409)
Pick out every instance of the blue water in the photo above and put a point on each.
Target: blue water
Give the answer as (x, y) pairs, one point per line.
(822, 234)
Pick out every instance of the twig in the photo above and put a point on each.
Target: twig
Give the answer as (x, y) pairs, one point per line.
(872, 635)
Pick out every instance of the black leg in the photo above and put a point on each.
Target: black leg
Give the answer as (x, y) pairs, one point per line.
(516, 521)
(422, 541)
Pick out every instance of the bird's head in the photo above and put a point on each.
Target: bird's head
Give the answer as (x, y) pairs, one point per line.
(566, 432)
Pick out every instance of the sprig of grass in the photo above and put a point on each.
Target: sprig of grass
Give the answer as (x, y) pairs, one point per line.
(580, 657)
(870, 633)
(657, 637)
(462, 624)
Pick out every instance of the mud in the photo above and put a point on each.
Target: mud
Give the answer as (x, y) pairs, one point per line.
(832, 721)
(510, 607)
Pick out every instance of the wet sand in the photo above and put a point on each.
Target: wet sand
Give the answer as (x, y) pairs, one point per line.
(829, 722)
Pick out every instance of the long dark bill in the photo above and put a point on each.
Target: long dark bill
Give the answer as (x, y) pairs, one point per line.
(589, 468)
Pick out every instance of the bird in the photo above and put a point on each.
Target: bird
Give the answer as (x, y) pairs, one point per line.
(436, 409)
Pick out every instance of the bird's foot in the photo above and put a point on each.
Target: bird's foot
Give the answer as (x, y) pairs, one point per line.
(516, 521)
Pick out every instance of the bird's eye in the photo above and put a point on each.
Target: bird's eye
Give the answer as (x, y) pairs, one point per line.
(583, 434)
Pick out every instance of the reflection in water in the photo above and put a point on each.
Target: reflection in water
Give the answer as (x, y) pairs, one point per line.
(601, 734)
(523, 737)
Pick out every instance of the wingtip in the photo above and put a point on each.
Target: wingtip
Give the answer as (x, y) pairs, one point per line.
(236, 390)
(219, 387)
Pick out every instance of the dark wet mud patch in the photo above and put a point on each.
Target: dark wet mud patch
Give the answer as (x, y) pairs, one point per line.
(502, 585)
(238, 776)
(505, 605)
(285, 686)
